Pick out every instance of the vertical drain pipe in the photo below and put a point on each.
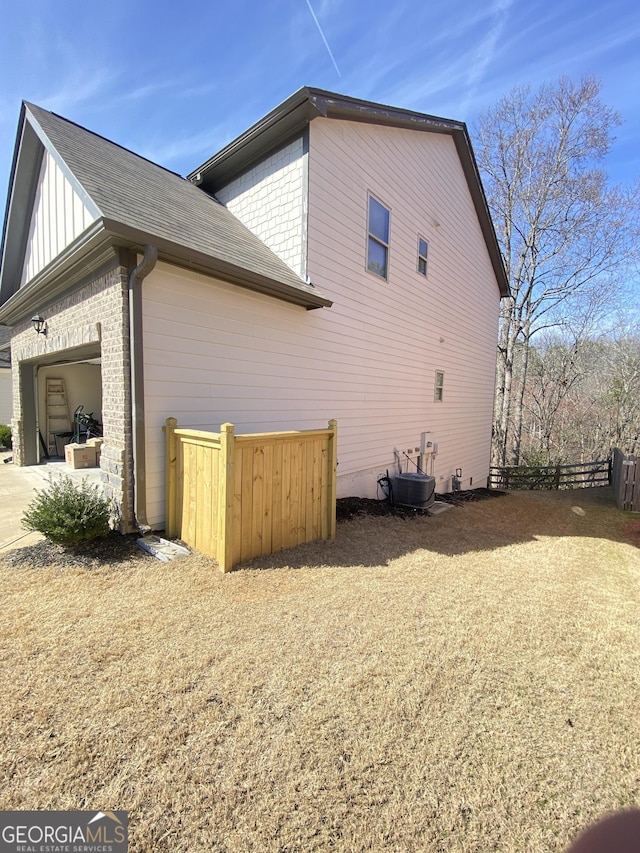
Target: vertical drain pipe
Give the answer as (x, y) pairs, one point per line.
(136, 354)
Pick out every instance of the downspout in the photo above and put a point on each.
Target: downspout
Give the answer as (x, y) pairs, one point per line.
(136, 354)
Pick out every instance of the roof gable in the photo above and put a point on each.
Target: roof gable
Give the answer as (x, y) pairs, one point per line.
(131, 201)
(58, 217)
(293, 116)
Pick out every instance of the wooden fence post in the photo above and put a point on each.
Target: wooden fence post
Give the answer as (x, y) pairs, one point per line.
(333, 471)
(226, 481)
(170, 524)
(616, 471)
(557, 477)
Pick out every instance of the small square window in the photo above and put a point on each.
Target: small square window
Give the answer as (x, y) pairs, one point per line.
(423, 252)
(378, 238)
(438, 394)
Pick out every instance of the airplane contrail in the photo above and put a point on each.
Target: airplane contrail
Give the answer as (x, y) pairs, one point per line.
(324, 39)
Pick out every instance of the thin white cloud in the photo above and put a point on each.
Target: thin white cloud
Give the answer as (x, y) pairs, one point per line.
(78, 88)
(428, 72)
(430, 88)
(487, 48)
(61, 71)
(142, 92)
(199, 90)
(443, 58)
(184, 152)
(181, 148)
(324, 38)
(184, 86)
(427, 91)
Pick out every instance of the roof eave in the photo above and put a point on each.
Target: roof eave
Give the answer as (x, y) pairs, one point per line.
(287, 119)
(31, 143)
(21, 189)
(186, 257)
(97, 247)
(88, 253)
(474, 182)
(293, 115)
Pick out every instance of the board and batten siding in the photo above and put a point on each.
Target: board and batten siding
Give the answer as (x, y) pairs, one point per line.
(58, 216)
(270, 199)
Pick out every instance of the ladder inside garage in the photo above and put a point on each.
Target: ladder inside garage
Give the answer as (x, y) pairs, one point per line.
(58, 419)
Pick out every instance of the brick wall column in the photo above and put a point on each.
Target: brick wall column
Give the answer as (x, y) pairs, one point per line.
(96, 313)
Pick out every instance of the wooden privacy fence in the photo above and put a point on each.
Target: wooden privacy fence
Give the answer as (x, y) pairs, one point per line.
(580, 475)
(235, 497)
(625, 477)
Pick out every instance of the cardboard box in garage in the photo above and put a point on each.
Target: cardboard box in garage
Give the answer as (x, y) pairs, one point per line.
(97, 444)
(80, 455)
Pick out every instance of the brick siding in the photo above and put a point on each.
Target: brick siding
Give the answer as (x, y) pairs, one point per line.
(96, 313)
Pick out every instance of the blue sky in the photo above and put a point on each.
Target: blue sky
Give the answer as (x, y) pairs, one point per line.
(175, 82)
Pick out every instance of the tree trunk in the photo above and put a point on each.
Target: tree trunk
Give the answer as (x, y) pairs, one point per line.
(562, 230)
(516, 429)
(504, 379)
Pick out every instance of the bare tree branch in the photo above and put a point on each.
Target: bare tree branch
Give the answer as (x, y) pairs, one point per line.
(563, 232)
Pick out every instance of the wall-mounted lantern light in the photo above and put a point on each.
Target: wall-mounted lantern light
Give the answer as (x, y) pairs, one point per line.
(39, 324)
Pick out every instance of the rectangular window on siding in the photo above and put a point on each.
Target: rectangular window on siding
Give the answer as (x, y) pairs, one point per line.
(423, 251)
(438, 394)
(378, 238)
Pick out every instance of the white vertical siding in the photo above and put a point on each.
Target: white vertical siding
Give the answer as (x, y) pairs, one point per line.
(58, 217)
(270, 199)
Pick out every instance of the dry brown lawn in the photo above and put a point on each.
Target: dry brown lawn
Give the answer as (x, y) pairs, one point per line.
(468, 682)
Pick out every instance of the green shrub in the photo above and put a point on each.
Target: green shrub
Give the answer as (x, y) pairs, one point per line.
(5, 435)
(69, 514)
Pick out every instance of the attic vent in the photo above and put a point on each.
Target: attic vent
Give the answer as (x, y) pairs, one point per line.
(416, 490)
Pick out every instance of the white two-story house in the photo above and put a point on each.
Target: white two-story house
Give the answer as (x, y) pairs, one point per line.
(337, 260)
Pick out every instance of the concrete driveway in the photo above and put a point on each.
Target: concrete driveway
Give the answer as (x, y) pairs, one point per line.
(17, 488)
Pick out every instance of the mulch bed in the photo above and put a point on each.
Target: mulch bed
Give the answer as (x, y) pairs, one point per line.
(347, 508)
(114, 548)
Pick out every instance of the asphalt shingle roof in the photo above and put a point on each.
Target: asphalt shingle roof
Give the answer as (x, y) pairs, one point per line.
(134, 192)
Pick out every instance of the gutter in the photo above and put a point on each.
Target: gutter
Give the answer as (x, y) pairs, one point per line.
(136, 277)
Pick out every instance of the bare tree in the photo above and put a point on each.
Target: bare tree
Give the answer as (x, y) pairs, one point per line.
(555, 368)
(623, 393)
(563, 231)
(582, 397)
